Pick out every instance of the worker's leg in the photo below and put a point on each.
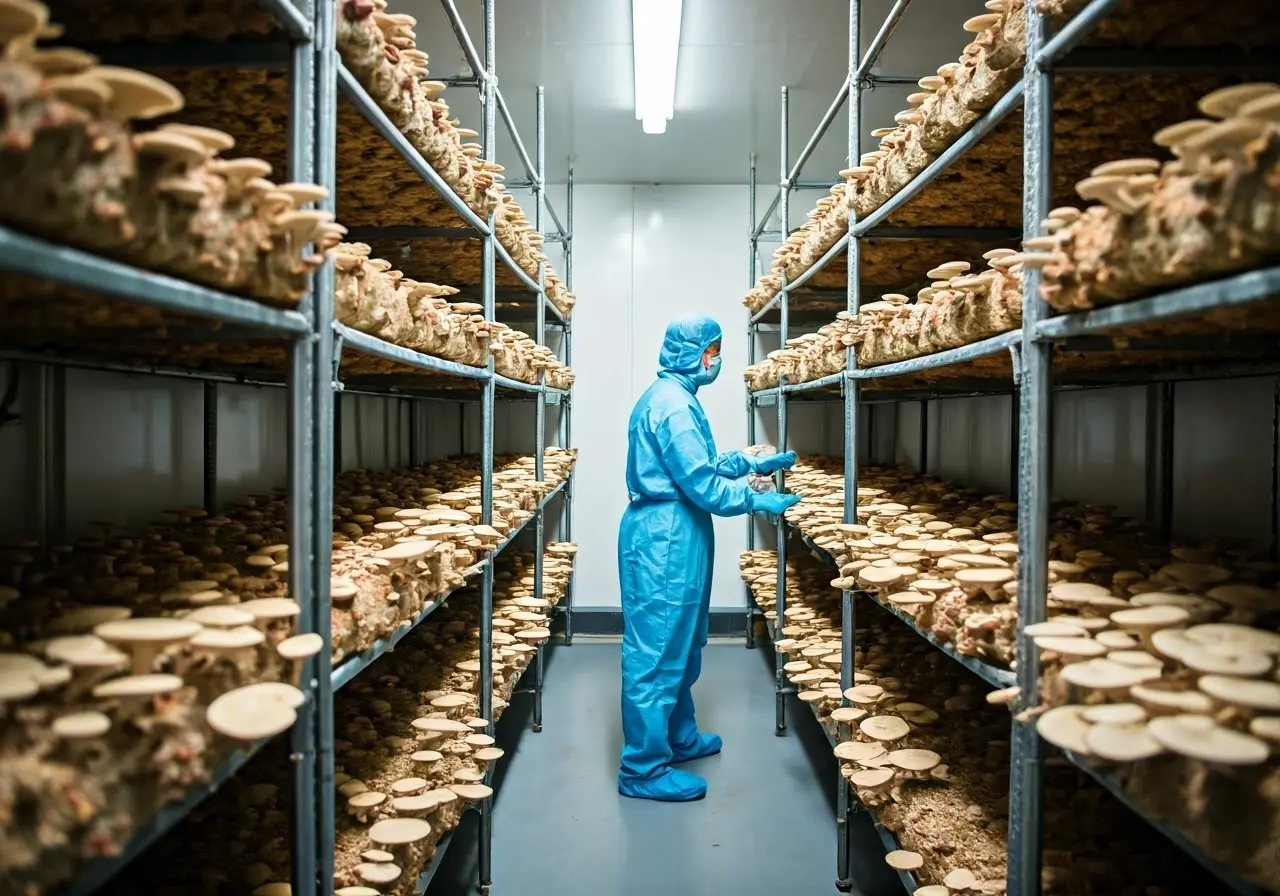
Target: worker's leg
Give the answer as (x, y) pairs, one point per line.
(686, 742)
(660, 614)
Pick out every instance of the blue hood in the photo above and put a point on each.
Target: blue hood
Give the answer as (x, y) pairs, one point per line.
(686, 339)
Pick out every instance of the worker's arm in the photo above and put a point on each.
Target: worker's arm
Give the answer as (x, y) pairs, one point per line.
(694, 470)
(733, 465)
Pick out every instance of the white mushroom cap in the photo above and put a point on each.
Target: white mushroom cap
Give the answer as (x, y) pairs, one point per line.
(139, 686)
(253, 713)
(1243, 692)
(239, 638)
(399, 831)
(1121, 741)
(1200, 737)
(300, 647)
(78, 725)
(1064, 727)
(379, 872)
(271, 608)
(914, 760)
(884, 728)
(904, 860)
(472, 792)
(220, 616)
(1114, 714)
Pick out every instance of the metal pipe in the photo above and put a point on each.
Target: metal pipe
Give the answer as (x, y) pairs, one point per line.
(540, 419)
(485, 845)
(1034, 475)
(924, 435)
(1081, 25)
(481, 69)
(51, 454)
(534, 173)
(1168, 400)
(304, 735)
(751, 406)
(210, 453)
(309, 856)
(832, 111)
(878, 43)
(768, 212)
(566, 409)
(780, 529)
(851, 389)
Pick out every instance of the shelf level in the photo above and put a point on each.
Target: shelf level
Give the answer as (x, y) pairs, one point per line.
(37, 258)
(351, 667)
(992, 675)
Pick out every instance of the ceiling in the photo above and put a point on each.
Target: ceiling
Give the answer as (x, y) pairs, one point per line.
(734, 57)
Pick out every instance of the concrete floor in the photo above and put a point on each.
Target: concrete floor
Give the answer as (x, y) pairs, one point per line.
(766, 827)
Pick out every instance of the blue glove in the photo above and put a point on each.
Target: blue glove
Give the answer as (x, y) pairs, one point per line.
(775, 503)
(772, 463)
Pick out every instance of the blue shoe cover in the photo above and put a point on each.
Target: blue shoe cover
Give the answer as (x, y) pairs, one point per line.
(705, 745)
(669, 786)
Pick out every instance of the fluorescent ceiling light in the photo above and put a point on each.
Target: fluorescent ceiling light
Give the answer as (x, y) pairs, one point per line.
(655, 34)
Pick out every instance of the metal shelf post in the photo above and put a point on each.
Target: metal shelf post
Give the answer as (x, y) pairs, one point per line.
(846, 798)
(1034, 437)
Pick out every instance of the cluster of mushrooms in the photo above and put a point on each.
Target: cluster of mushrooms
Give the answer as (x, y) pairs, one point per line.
(411, 754)
(134, 664)
(164, 199)
(944, 108)
(958, 308)
(1214, 208)
(930, 758)
(1155, 656)
(405, 538)
(379, 49)
(370, 296)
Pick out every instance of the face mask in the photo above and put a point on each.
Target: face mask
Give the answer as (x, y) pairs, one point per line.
(707, 375)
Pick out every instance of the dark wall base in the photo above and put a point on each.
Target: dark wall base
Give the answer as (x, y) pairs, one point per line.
(724, 622)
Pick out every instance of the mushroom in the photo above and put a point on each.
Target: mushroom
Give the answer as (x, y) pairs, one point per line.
(297, 650)
(1161, 701)
(1121, 741)
(136, 95)
(1200, 737)
(884, 728)
(1242, 694)
(904, 860)
(254, 712)
(362, 804)
(135, 691)
(380, 872)
(408, 786)
(1065, 728)
(960, 879)
(146, 639)
(914, 760)
(472, 792)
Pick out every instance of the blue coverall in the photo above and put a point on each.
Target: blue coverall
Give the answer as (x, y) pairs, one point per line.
(675, 482)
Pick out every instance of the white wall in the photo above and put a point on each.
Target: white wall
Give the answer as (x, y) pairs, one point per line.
(642, 256)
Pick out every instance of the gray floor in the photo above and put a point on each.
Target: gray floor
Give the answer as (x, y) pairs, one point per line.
(560, 827)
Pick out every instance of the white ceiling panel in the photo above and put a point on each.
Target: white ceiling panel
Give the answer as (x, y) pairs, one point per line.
(734, 57)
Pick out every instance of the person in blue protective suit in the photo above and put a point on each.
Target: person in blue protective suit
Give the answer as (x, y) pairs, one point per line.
(675, 482)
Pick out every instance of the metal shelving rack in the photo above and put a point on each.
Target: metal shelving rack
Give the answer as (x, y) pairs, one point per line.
(314, 387)
(1031, 384)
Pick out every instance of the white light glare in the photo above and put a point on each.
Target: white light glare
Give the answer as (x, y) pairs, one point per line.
(654, 125)
(655, 33)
